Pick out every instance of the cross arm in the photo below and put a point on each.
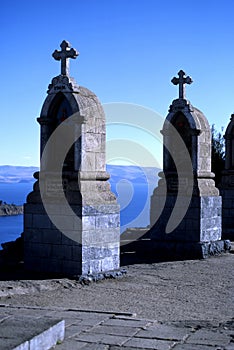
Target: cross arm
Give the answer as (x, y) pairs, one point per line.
(56, 55)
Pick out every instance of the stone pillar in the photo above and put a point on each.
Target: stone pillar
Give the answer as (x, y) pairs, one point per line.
(190, 222)
(71, 219)
(227, 184)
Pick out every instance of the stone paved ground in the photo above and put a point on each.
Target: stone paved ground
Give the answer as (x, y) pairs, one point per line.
(183, 305)
(110, 331)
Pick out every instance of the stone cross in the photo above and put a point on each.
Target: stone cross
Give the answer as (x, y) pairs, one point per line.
(182, 80)
(64, 55)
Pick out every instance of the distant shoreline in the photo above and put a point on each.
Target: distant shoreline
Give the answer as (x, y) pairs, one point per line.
(10, 209)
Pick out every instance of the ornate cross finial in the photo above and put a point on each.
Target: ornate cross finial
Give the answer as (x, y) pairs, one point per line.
(182, 80)
(64, 56)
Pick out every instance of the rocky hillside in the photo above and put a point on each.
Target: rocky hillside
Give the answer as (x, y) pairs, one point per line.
(10, 209)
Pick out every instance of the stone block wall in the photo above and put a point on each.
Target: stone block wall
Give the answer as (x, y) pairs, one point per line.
(89, 247)
(227, 213)
(201, 223)
(100, 238)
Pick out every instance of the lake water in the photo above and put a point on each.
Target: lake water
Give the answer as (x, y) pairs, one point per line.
(134, 200)
(12, 226)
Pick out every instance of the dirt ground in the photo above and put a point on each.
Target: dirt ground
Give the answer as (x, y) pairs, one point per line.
(182, 290)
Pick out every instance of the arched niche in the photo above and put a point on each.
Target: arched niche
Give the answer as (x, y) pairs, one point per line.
(56, 109)
(178, 126)
(194, 129)
(59, 111)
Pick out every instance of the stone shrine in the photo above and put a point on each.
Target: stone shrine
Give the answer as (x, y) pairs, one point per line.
(227, 184)
(71, 218)
(186, 197)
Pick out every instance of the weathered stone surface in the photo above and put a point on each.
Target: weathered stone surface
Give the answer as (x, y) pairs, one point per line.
(115, 330)
(161, 331)
(186, 196)
(71, 217)
(31, 334)
(209, 337)
(139, 343)
(90, 330)
(191, 347)
(102, 338)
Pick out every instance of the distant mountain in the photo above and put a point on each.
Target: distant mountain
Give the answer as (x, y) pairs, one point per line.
(16, 174)
(133, 173)
(136, 174)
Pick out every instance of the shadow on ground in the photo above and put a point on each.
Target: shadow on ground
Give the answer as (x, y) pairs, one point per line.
(136, 248)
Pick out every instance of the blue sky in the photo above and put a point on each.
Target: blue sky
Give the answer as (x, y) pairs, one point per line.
(129, 51)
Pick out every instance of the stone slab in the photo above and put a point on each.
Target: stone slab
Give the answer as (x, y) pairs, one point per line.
(155, 344)
(192, 347)
(70, 344)
(141, 334)
(209, 337)
(102, 338)
(31, 334)
(115, 330)
(126, 322)
(166, 332)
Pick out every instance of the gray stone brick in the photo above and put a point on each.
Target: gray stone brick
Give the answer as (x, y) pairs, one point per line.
(102, 338)
(33, 263)
(155, 344)
(126, 322)
(76, 253)
(63, 252)
(71, 343)
(51, 265)
(71, 267)
(208, 337)
(88, 161)
(75, 329)
(51, 237)
(161, 331)
(67, 240)
(89, 210)
(31, 250)
(33, 236)
(115, 330)
(41, 222)
(92, 142)
(111, 263)
(88, 223)
(89, 237)
(77, 223)
(95, 266)
(109, 221)
(63, 222)
(27, 221)
(34, 208)
(109, 209)
(112, 347)
(193, 347)
(43, 250)
(96, 347)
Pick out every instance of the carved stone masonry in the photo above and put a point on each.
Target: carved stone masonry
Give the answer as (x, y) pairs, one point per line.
(64, 55)
(71, 218)
(182, 80)
(189, 226)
